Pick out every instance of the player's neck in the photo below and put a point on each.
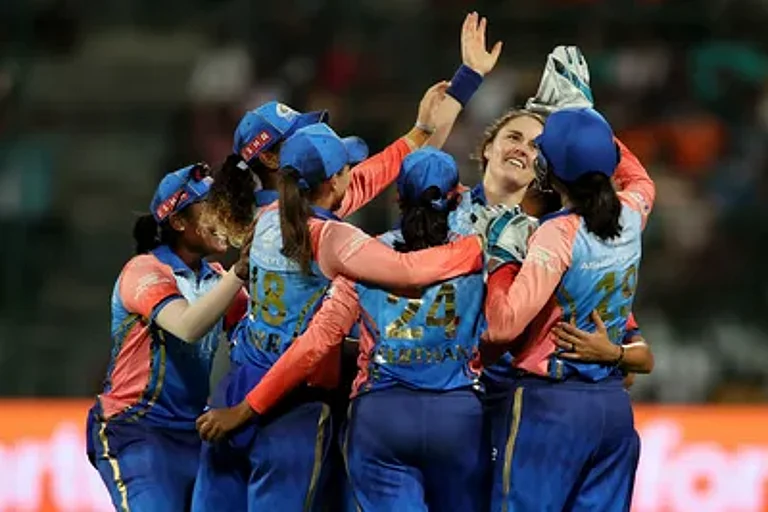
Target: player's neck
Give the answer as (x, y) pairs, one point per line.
(498, 195)
(192, 259)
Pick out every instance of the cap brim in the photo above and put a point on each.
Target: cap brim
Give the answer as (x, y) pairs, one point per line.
(357, 149)
(310, 118)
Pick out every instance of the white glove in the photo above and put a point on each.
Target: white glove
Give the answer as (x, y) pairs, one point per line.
(564, 83)
(505, 233)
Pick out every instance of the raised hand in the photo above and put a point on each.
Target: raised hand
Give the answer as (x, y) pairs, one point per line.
(473, 50)
(428, 107)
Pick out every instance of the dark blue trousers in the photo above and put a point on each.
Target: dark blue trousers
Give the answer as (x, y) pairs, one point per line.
(410, 450)
(145, 468)
(279, 464)
(570, 446)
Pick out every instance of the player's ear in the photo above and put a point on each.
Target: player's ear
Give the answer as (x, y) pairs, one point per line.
(177, 222)
(487, 149)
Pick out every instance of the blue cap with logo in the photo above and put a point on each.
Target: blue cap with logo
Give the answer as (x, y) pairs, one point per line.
(317, 153)
(575, 142)
(425, 168)
(179, 189)
(262, 128)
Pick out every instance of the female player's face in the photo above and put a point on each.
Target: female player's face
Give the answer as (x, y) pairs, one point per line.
(201, 237)
(511, 153)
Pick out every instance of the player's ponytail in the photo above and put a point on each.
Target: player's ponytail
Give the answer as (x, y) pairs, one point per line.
(294, 215)
(425, 223)
(149, 235)
(146, 233)
(230, 205)
(594, 198)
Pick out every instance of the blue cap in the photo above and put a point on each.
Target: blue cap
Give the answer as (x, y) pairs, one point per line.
(179, 189)
(575, 142)
(262, 128)
(425, 168)
(317, 153)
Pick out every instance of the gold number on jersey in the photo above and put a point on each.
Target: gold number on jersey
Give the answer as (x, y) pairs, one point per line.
(399, 329)
(607, 286)
(446, 296)
(273, 307)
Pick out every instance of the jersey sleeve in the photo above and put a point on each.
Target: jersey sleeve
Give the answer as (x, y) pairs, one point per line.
(509, 308)
(635, 185)
(146, 285)
(325, 333)
(236, 310)
(369, 178)
(343, 249)
(632, 329)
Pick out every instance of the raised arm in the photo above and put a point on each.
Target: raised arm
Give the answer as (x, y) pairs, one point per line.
(370, 178)
(476, 63)
(148, 288)
(191, 321)
(343, 249)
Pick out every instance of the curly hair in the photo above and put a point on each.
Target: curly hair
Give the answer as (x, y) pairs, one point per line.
(230, 205)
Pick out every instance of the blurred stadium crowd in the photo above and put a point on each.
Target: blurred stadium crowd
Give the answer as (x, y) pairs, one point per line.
(97, 104)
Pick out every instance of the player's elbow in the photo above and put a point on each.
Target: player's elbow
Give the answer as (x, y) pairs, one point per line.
(188, 335)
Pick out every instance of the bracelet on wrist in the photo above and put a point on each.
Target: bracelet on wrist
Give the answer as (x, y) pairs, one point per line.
(621, 356)
(429, 130)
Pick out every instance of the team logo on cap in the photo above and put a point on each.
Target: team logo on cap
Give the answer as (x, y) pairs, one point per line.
(166, 207)
(255, 146)
(285, 111)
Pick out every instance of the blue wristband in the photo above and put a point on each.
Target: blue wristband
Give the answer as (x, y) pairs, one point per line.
(464, 84)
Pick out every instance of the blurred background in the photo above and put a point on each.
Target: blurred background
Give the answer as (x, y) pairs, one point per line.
(99, 99)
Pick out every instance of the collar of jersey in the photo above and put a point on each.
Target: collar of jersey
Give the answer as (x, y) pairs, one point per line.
(554, 215)
(322, 213)
(265, 197)
(165, 255)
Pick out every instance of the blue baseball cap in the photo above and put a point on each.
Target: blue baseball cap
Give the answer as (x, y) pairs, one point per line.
(179, 189)
(262, 128)
(425, 168)
(317, 153)
(575, 142)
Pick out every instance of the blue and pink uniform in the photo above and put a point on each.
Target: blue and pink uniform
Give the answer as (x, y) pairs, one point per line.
(141, 431)
(416, 394)
(222, 479)
(287, 451)
(572, 443)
